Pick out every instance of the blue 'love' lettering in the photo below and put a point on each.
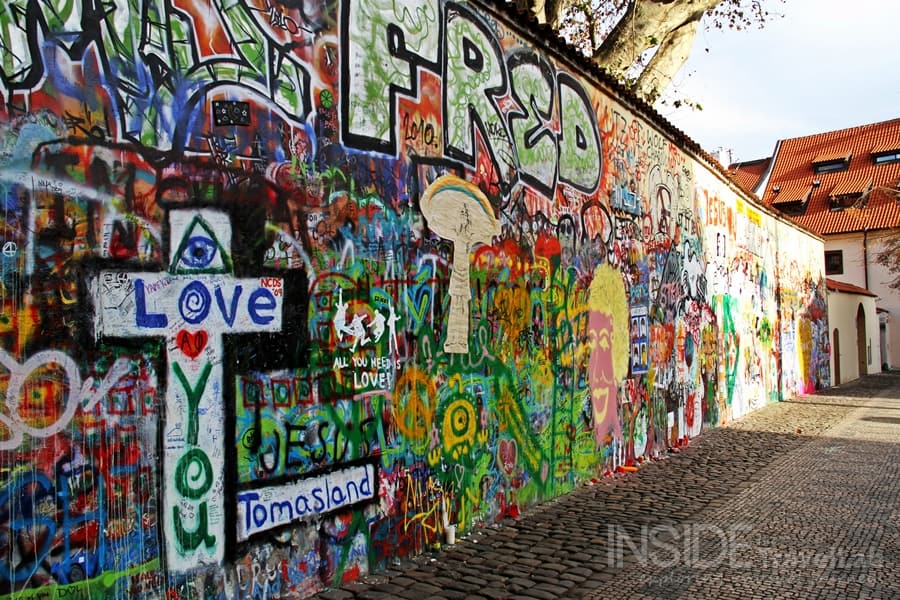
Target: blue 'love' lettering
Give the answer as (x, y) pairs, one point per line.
(195, 303)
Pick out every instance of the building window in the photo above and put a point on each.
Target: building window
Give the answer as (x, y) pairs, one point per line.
(887, 157)
(834, 262)
(831, 166)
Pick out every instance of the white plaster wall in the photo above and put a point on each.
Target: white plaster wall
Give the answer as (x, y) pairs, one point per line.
(888, 299)
(879, 279)
(842, 309)
(852, 247)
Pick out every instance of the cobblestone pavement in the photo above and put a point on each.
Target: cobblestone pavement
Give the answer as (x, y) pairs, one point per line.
(800, 499)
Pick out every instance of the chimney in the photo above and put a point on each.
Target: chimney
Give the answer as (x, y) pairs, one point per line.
(724, 155)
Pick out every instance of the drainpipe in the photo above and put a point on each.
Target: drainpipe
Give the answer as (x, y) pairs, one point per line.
(866, 257)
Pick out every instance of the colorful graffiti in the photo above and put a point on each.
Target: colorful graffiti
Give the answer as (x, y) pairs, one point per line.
(288, 288)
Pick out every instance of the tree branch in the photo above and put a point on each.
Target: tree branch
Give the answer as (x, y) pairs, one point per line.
(673, 52)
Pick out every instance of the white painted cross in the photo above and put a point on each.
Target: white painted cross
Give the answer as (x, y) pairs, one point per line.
(191, 305)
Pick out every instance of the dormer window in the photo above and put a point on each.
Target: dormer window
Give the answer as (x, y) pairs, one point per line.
(885, 153)
(831, 163)
(843, 201)
(795, 209)
(849, 193)
(791, 199)
(830, 167)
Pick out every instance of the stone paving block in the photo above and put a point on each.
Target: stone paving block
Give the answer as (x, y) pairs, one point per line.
(513, 571)
(558, 589)
(530, 562)
(520, 583)
(336, 594)
(591, 584)
(403, 581)
(425, 588)
(555, 567)
(576, 579)
(353, 587)
(444, 595)
(372, 594)
(442, 581)
(461, 585)
(580, 571)
(554, 580)
(388, 588)
(540, 594)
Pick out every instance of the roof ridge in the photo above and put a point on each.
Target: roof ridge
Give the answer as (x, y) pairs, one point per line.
(845, 129)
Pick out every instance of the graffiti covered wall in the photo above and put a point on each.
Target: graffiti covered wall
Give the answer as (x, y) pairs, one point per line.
(288, 287)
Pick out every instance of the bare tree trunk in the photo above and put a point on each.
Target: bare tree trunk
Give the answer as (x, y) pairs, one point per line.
(545, 11)
(668, 25)
(648, 23)
(673, 52)
(621, 47)
(553, 10)
(535, 7)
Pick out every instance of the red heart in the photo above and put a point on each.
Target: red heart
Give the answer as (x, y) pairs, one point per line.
(506, 452)
(192, 344)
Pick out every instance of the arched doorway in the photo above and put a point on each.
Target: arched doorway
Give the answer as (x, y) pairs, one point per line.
(861, 353)
(836, 350)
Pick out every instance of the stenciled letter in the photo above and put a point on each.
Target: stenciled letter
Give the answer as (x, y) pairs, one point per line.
(474, 77)
(579, 140)
(531, 126)
(383, 42)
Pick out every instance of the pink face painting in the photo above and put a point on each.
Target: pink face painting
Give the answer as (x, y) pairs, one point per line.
(600, 377)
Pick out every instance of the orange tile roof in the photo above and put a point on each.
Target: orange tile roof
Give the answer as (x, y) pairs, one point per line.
(793, 193)
(793, 167)
(839, 286)
(747, 174)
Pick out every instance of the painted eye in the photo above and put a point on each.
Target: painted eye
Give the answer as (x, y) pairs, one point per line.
(199, 252)
(603, 340)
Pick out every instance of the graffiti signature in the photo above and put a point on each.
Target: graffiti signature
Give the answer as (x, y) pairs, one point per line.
(84, 394)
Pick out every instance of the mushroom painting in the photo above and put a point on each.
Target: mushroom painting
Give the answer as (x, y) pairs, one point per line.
(458, 211)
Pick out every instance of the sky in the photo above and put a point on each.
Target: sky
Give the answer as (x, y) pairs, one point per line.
(824, 65)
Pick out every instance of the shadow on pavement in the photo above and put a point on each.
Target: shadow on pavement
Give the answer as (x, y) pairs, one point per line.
(833, 404)
(891, 420)
(866, 386)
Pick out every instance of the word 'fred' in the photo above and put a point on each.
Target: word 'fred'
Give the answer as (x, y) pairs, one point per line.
(192, 304)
